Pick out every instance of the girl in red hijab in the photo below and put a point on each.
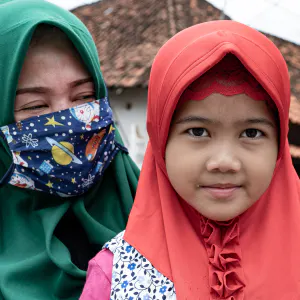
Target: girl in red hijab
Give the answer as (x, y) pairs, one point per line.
(217, 211)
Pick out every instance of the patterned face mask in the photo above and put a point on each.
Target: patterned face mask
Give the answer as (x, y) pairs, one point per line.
(62, 153)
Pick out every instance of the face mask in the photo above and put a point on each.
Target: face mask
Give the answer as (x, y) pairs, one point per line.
(62, 153)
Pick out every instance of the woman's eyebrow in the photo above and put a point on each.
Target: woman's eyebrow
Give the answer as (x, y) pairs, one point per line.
(81, 81)
(32, 90)
(42, 90)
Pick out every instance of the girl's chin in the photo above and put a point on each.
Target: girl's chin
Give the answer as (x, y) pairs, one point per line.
(221, 214)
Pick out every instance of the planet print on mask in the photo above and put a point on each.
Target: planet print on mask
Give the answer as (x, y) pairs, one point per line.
(86, 113)
(63, 152)
(93, 145)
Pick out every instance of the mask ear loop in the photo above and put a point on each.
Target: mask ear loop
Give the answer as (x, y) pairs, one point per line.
(9, 172)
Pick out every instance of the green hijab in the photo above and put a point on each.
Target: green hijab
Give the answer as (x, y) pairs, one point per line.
(37, 229)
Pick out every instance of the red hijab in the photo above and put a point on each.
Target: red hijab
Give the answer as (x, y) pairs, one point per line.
(254, 256)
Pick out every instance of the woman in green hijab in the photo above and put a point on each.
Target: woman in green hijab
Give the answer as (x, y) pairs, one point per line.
(53, 222)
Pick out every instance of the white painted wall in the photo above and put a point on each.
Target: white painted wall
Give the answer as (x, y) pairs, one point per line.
(129, 107)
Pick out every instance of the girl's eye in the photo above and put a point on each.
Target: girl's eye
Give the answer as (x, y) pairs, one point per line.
(198, 132)
(252, 133)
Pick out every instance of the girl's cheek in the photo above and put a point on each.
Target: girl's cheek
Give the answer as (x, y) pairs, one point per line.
(183, 166)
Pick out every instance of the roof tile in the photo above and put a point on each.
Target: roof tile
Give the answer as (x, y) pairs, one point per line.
(128, 34)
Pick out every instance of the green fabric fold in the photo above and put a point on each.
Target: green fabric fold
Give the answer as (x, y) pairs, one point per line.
(34, 262)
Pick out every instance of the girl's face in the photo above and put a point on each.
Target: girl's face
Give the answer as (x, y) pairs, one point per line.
(221, 154)
(52, 78)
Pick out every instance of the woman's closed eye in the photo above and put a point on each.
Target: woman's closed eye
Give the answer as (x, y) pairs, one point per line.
(86, 97)
(198, 132)
(31, 108)
(252, 133)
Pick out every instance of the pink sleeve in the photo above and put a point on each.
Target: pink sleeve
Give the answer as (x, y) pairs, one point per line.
(98, 281)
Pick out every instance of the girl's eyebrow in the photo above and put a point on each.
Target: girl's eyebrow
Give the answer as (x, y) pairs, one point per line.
(259, 120)
(190, 119)
(262, 121)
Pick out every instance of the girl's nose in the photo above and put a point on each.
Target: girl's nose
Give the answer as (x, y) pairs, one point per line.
(223, 160)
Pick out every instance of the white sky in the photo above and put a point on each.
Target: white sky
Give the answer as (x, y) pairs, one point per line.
(70, 4)
(277, 17)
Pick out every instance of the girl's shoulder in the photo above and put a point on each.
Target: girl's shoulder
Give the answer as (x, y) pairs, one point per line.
(99, 274)
(115, 243)
(133, 275)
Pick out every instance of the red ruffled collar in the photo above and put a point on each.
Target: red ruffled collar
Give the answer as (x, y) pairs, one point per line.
(226, 276)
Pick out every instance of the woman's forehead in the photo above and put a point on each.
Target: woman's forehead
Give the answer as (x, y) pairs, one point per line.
(52, 66)
(45, 33)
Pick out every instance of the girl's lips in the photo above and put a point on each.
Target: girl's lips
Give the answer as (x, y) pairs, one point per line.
(221, 191)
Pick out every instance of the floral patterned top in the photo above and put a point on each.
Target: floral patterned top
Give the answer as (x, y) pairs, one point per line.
(132, 276)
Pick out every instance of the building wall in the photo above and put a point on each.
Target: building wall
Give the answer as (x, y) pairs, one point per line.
(129, 107)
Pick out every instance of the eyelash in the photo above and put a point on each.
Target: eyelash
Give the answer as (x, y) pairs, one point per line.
(43, 106)
(189, 131)
(33, 107)
(87, 97)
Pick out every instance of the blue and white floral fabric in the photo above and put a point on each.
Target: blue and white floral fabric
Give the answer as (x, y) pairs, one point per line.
(134, 277)
(64, 152)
